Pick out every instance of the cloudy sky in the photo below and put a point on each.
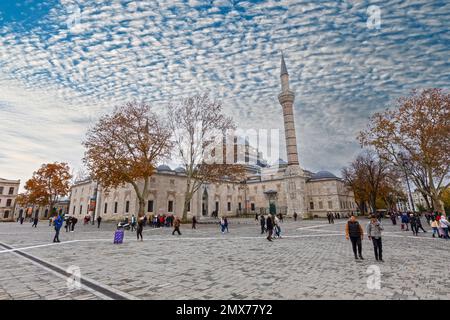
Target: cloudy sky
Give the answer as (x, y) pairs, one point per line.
(65, 62)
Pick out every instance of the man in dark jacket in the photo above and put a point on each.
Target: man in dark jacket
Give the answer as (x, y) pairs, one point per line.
(262, 221)
(269, 227)
(74, 222)
(355, 233)
(35, 222)
(419, 224)
(194, 222)
(413, 223)
(99, 220)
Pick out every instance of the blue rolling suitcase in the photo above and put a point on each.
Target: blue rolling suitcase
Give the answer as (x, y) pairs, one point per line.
(118, 236)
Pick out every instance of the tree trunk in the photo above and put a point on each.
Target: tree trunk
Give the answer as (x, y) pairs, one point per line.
(188, 194)
(141, 210)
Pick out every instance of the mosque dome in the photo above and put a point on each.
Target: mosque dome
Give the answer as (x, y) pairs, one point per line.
(323, 175)
(163, 167)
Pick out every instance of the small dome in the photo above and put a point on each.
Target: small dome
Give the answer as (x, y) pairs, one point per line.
(180, 170)
(279, 163)
(323, 175)
(163, 167)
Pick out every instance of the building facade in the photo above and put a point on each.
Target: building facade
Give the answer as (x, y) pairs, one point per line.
(8, 194)
(283, 187)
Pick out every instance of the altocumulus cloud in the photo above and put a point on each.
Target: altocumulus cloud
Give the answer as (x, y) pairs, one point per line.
(64, 63)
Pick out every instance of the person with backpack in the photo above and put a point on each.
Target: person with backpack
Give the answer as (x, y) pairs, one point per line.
(354, 232)
(57, 224)
(374, 229)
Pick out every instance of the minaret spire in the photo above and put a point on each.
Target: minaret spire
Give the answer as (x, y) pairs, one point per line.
(283, 65)
(286, 99)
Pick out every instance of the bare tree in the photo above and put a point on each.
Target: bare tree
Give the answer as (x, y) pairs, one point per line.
(198, 126)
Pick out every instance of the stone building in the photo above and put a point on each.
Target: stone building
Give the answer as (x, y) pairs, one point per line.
(42, 212)
(8, 193)
(283, 187)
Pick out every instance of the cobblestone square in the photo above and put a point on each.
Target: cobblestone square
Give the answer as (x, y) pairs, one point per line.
(312, 261)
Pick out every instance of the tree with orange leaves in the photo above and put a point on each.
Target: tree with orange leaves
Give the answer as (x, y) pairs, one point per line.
(124, 147)
(415, 136)
(47, 185)
(371, 179)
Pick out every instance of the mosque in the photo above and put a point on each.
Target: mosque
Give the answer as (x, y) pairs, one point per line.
(280, 188)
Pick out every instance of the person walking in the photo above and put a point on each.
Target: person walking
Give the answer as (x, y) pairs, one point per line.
(355, 233)
(194, 222)
(99, 220)
(57, 224)
(21, 220)
(256, 216)
(222, 225)
(393, 218)
(295, 216)
(225, 224)
(374, 229)
(277, 227)
(435, 227)
(269, 227)
(419, 224)
(133, 222)
(67, 226)
(74, 222)
(428, 217)
(35, 222)
(329, 217)
(444, 224)
(413, 223)
(262, 222)
(140, 228)
(176, 226)
(405, 221)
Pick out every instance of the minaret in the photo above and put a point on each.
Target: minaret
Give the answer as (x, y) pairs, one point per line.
(286, 99)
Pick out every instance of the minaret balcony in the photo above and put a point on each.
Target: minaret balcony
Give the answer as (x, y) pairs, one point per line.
(286, 96)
